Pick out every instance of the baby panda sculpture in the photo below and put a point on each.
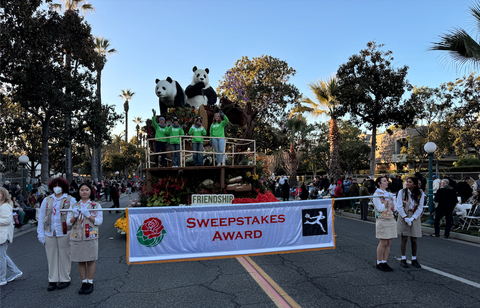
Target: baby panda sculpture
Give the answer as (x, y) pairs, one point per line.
(170, 94)
(199, 92)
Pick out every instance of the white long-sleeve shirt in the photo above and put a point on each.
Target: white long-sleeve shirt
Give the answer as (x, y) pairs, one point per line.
(400, 208)
(379, 203)
(56, 222)
(98, 215)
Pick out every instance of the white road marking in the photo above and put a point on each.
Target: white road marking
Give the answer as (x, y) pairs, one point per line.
(454, 277)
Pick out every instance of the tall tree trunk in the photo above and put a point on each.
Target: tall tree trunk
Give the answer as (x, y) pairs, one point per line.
(99, 142)
(374, 147)
(334, 138)
(98, 156)
(45, 171)
(93, 164)
(126, 122)
(68, 148)
(293, 166)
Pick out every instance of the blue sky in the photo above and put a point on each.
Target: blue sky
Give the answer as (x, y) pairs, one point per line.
(156, 39)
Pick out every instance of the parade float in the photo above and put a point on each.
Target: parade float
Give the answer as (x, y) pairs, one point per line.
(244, 173)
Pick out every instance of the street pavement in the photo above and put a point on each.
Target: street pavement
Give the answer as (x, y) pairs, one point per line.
(341, 277)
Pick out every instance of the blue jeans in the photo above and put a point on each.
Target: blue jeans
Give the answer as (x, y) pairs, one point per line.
(6, 263)
(198, 157)
(160, 147)
(219, 146)
(176, 155)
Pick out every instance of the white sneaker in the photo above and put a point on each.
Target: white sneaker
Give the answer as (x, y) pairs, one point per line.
(14, 277)
(3, 283)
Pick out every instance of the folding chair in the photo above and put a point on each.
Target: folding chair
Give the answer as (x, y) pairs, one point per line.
(471, 219)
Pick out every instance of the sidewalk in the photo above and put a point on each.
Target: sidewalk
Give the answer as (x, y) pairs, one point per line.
(425, 229)
(31, 227)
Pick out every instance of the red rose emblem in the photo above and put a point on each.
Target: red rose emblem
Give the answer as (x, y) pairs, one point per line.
(152, 227)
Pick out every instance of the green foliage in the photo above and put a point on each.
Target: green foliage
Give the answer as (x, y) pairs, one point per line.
(261, 86)
(462, 48)
(371, 89)
(467, 161)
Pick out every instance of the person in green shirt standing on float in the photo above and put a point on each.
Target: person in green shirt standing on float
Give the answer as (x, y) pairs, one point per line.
(217, 129)
(197, 130)
(176, 130)
(161, 131)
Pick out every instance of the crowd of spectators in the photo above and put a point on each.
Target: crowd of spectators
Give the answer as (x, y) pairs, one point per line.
(25, 210)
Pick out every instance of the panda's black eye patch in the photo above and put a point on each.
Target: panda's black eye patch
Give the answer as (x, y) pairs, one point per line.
(204, 76)
(164, 88)
(198, 75)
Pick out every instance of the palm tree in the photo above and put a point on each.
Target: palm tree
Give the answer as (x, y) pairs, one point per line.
(85, 7)
(81, 5)
(102, 47)
(127, 96)
(138, 121)
(463, 48)
(325, 92)
(296, 124)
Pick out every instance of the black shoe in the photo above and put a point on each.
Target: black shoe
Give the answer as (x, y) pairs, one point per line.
(117, 212)
(381, 266)
(51, 286)
(88, 288)
(387, 267)
(435, 235)
(82, 289)
(403, 263)
(416, 264)
(445, 236)
(63, 285)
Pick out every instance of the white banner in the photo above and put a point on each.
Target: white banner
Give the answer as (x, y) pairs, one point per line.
(158, 234)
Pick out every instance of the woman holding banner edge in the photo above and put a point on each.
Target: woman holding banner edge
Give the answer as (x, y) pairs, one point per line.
(84, 235)
(385, 226)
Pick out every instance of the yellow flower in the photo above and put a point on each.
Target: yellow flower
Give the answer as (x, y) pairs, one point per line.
(249, 174)
(255, 176)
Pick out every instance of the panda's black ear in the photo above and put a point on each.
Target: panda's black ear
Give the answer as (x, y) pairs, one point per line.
(194, 68)
(169, 79)
(157, 80)
(207, 70)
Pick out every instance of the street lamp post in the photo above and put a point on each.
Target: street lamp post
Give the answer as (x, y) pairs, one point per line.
(117, 173)
(430, 147)
(23, 160)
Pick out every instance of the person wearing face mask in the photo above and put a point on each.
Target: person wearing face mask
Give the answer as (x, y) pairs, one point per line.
(53, 232)
(161, 131)
(197, 130)
(176, 130)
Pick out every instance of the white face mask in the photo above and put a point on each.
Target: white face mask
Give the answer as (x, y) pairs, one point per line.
(57, 190)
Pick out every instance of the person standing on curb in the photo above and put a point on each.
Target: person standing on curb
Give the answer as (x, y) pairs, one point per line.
(385, 225)
(6, 237)
(364, 202)
(447, 200)
(409, 205)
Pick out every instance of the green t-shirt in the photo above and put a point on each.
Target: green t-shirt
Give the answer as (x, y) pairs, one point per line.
(159, 131)
(218, 129)
(197, 131)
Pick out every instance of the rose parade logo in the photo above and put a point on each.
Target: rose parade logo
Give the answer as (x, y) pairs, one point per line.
(151, 233)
